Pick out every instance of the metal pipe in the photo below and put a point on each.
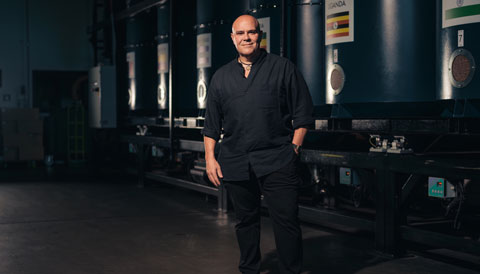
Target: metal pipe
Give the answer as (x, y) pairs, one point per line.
(138, 8)
(170, 80)
(28, 91)
(283, 33)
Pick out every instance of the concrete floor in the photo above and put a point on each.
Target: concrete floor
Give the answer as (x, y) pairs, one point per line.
(98, 227)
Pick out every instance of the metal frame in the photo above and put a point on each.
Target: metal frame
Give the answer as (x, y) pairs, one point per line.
(390, 218)
(389, 224)
(144, 143)
(220, 192)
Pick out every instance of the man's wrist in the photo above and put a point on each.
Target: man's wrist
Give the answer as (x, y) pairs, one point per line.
(296, 148)
(209, 157)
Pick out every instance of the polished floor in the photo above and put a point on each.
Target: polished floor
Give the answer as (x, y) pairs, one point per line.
(94, 226)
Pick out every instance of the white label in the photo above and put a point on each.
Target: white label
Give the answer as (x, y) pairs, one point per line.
(335, 56)
(461, 38)
(460, 12)
(162, 55)
(131, 65)
(204, 50)
(339, 21)
(265, 28)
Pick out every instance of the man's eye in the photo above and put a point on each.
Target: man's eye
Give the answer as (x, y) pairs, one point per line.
(240, 33)
(252, 32)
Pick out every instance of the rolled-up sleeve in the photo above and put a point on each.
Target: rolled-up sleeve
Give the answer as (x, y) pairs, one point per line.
(213, 113)
(300, 105)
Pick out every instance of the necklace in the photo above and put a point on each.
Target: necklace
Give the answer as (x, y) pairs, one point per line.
(246, 66)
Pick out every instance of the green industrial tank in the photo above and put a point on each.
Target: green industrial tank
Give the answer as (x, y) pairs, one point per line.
(214, 45)
(309, 50)
(458, 52)
(141, 59)
(380, 58)
(163, 41)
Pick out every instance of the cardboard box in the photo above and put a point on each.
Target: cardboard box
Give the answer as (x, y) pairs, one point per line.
(23, 139)
(9, 114)
(22, 153)
(10, 140)
(31, 139)
(9, 127)
(11, 153)
(30, 126)
(21, 133)
(30, 152)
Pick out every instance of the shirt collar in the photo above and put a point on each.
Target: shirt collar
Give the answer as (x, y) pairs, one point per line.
(262, 55)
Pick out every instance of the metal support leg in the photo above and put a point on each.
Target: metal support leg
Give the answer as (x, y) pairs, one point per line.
(380, 210)
(141, 165)
(225, 200)
(332, 178)
(387, 227)
(222, 199)
(407, 188)
(393, 242)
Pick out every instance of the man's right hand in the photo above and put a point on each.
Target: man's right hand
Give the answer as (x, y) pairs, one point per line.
(214, 172)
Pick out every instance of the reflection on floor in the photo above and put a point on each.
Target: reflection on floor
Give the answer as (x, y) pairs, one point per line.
(103, 227)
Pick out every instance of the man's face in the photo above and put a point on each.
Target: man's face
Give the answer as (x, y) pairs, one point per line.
(246, 36)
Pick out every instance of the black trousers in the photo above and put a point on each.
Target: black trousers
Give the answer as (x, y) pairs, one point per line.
(280, 191)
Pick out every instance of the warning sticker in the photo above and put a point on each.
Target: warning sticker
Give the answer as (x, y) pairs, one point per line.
(338, 21)
(204, 50)
(162, 55)
(460, 12)
(265, 28)
(131, 64)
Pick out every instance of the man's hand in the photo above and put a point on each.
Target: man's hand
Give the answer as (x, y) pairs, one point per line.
(214, 171)
(296, 148)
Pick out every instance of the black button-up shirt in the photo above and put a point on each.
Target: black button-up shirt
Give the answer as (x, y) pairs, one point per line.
(258, 115)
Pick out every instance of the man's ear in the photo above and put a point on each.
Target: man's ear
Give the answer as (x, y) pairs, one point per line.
(260, 36)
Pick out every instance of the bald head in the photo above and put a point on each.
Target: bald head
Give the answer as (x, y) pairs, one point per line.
(246, 35)
(245, 19)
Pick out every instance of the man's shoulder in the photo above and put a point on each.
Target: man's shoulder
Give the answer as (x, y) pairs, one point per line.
(223, 69)
(276, 59)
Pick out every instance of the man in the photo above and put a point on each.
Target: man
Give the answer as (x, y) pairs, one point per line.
(263, 105)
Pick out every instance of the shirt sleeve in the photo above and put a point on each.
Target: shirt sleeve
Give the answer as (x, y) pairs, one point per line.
(213, 113)
(300, 105)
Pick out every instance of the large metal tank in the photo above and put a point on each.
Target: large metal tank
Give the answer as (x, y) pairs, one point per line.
(269, 16)
(458, 53)
(309, 50)
(380, 53)
(183, 55)
(141, 58)
(163, 30)
(214, 45)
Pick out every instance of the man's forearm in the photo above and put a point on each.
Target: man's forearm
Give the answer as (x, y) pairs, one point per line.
(209, 147)
(299, 135)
